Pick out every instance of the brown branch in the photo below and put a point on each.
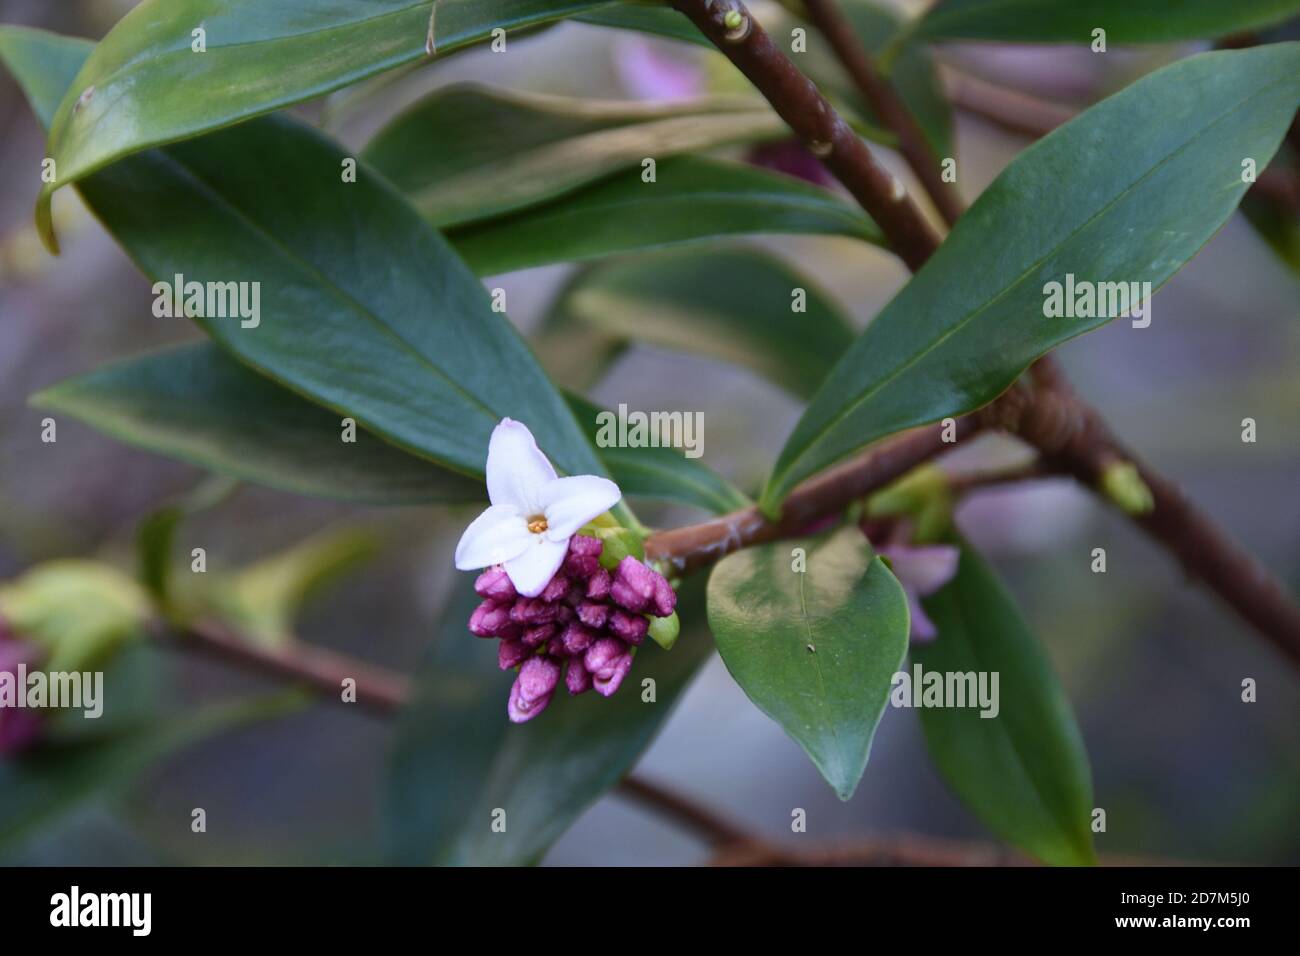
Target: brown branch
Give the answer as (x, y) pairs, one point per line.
(902, 849)
(385, 692)
(692, 547)
(1012, 110)
(797, 101)
(378, 690)
(1074, 439)
(887, 105)
(1206, 550)
(691, 815)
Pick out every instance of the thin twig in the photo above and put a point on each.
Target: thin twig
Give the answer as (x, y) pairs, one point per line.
(384, 693)
(378, 690)
(1206, 550)
(691, 815)
(797, 100)
(695, 546)
(887, 105)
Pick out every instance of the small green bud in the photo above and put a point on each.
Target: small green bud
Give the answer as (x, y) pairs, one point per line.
(78, 611)
(664, 630)
(1123, 485)
(909, 494)
(618, 543)
(733, 19)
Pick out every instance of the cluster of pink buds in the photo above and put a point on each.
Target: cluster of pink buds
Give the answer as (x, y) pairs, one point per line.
(585, 625)
(19, 728)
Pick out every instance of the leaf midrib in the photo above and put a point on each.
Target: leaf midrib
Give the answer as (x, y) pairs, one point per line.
(311, 271)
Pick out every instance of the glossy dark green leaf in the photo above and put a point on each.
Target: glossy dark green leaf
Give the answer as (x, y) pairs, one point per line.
(692, 199)
(656, 19)
(1125, 21)
(1024, 772)
(815, 649)
(457, 758)
(145, 85)
(737, 305)
(60, 775)
(1127, 192)
(662, 473)
(468, 152)
(363, 307)
(198, 404)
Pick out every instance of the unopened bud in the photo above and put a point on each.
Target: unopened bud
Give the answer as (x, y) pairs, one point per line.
(664, 630)
(1123, 484)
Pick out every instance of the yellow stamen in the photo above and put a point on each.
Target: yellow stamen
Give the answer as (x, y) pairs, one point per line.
(537, 524)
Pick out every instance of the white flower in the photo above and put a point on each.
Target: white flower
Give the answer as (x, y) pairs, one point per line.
(533, 513)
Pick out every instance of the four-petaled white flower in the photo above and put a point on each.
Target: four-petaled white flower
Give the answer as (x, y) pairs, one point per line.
(533, 512)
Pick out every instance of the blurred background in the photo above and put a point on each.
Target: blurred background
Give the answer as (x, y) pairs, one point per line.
(1154, 665)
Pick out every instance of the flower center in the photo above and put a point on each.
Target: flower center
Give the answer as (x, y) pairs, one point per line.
(537, 524)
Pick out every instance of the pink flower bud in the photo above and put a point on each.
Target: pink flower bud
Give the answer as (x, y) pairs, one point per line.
(592, 614)
(539, 635)
(583, 559)
(608, 661)
(512, 653)
(533, 688)
(555, 589)
(665, 598)
(19, 729)
(528, 611)
(576, 639)
(494, 583)
(628, 627)
(598, 586)
(634, 585)
(576, 677)
(489, 619)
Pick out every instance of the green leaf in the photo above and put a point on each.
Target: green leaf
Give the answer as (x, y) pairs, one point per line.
(1125, 21)
(43, 63)
(1277, 226)
(1024, 772)
(663, 473)
(364, 308)
(736, 305)
(145, 86)
(261, 601)
(816, 649)
(79, 611)
(693, 199)
(655, 19)
(59, 775)
(198, 404)
(457, 759)
(1127, 192)
(467, 152)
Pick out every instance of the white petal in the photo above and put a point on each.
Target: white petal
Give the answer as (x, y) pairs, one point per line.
(516, 468)
(531, 571)
(495, 536)
(569, 503)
